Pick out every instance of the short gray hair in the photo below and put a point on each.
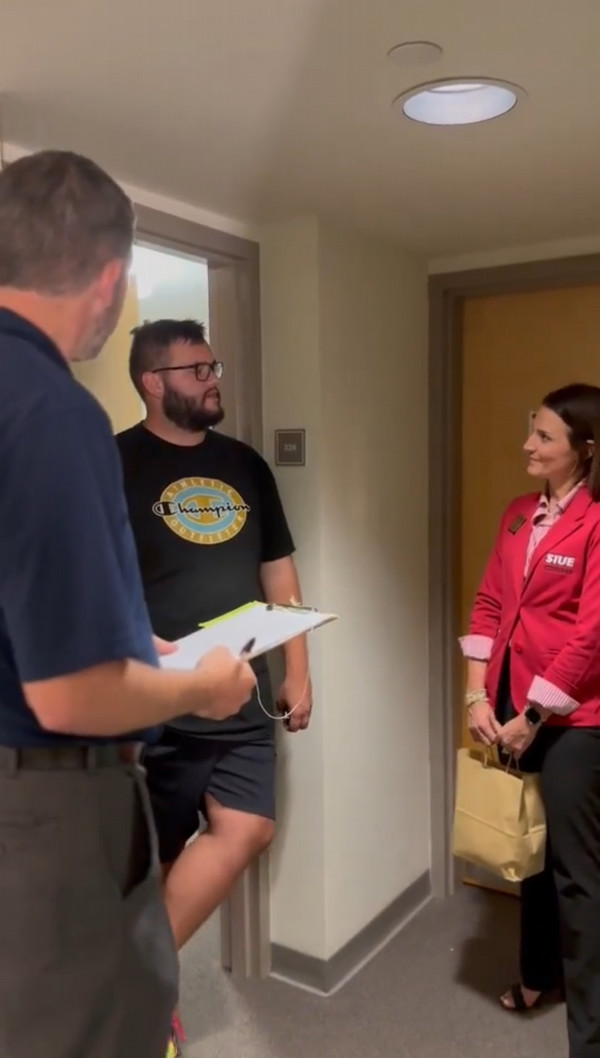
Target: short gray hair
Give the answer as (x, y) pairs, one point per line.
(62, 220)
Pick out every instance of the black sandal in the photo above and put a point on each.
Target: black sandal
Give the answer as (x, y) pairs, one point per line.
(515, 992)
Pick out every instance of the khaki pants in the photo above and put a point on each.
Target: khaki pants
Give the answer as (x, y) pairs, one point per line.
(88, 967)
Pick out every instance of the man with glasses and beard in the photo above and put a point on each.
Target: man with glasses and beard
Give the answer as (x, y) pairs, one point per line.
(211, 536)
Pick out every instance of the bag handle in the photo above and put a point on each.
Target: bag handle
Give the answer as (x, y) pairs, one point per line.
(491, 757)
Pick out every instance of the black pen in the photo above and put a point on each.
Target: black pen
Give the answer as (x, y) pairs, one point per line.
(249, 647)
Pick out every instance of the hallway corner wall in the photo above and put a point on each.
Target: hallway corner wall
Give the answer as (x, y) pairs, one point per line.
(345, 356)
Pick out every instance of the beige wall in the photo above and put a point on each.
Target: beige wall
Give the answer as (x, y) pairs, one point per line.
(292, 397)
(504, 255)
(375, 569)
(345, 355)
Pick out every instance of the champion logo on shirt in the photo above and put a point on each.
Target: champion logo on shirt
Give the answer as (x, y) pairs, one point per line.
(202, 510)
(561, 563)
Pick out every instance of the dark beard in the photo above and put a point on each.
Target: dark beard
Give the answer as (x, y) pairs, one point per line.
(188, 415)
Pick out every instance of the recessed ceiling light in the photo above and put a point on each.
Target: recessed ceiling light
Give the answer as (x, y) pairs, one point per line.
(463, 101)
(415, 53)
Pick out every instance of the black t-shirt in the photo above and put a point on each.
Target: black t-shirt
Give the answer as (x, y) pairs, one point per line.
(204, 517)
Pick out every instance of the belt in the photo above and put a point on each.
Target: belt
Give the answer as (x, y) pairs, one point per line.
(69, 758)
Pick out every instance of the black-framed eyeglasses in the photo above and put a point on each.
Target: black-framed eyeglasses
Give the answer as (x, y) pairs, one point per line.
(202, 369)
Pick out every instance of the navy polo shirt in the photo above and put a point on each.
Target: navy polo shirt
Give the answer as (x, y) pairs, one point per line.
(70, 589)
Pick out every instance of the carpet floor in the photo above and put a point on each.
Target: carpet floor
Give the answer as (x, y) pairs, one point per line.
(431, 993)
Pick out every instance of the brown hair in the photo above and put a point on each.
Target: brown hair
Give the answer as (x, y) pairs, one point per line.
(578, 405)
(151, 343)
(62, 220)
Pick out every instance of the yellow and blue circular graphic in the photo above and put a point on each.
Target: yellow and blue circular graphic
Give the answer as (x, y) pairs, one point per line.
(202, 510)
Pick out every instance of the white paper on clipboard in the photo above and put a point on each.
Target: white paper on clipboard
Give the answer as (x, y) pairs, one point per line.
(268, 626)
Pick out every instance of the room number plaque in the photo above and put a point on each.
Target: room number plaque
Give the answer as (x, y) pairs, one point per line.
(290, 448)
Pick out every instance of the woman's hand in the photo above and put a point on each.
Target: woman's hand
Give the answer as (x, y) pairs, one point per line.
(516, 736)
(483, 726)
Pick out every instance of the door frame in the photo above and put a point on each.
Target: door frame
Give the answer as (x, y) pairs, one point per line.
(245, 931)
(447, 292)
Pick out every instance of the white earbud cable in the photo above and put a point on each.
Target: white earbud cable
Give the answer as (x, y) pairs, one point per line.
(284, 716)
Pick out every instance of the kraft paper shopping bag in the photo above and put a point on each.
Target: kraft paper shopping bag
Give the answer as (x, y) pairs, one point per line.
(499, 818)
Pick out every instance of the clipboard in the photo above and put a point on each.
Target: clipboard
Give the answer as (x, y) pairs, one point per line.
(265, 625)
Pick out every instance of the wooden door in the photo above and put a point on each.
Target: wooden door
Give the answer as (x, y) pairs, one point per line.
(516, 348)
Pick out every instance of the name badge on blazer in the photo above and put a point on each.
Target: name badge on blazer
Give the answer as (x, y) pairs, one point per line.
(517, 524)
(560, 563)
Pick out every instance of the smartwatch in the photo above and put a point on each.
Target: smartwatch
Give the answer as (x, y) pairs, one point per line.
(532, 716)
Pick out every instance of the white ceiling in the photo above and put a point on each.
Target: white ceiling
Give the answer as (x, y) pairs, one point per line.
(262, 109)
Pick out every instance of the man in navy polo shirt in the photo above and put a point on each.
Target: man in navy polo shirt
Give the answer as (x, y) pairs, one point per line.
(88, 963)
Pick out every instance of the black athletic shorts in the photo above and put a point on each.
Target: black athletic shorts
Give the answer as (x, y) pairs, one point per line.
(183, 768)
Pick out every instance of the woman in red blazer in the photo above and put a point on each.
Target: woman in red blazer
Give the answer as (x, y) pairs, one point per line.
(533, 688)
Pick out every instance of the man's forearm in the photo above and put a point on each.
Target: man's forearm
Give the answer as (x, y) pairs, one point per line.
(280, 584)
(116, 698)
(295, 653)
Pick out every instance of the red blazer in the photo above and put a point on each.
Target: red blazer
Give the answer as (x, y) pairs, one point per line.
(551, 618)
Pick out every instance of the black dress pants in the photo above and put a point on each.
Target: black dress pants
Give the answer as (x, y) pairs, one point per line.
(560, 908)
